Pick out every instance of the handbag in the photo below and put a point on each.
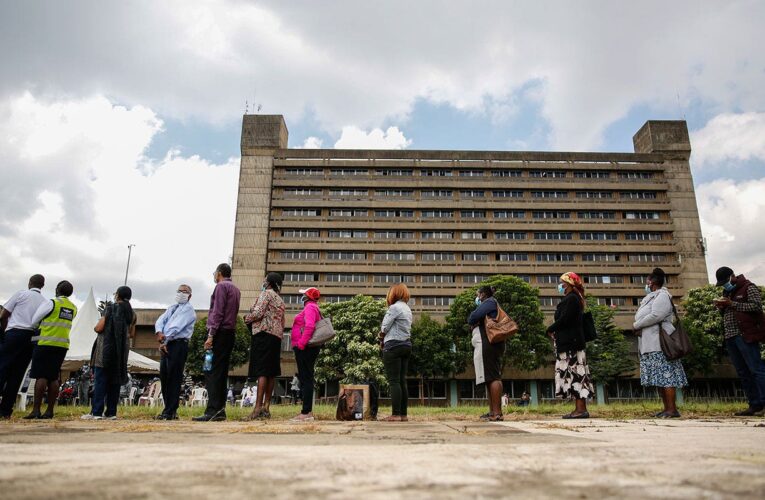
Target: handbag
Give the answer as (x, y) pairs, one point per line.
(500, 328)
(588, 326)
(678, 344)
(323, 332)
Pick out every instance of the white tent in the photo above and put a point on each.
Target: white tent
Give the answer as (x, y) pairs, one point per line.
(82, 337)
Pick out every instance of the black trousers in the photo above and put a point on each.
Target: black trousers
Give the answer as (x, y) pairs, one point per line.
(171, 374)
(15, 355)
(306, 363)
(215, 379)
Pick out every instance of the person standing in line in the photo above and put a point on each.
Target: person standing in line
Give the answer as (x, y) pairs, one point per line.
(396, 331)
(110, 354)
(174, 329)
(303, 327)
(487, 356)
(572, 375)
(266, 322)
(17, 328)
(744, 326)
(55, 320)
(295, 387)
(653, 315)
(221, 334)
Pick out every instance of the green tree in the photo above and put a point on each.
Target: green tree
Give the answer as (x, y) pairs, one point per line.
(353, 356)
(529, 348)
(239, 355)
(704, 325)
(432, 352)
(609, 355)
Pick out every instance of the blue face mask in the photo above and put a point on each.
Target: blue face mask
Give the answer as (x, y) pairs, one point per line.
(561, 289)
(728, 287)
(477, 301)
(647, 289)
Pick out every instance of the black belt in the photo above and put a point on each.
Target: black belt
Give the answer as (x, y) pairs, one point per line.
(179, 340)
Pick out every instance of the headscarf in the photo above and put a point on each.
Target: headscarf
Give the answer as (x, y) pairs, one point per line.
(575, 281)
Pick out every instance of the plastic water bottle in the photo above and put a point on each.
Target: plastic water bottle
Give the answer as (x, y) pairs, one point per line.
(207, 366)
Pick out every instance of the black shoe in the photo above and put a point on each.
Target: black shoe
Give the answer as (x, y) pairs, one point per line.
(666, 414)
(573, 416)
(162, 416)
(32, 416)
(749, 412)
(218, 417)
(46, 416)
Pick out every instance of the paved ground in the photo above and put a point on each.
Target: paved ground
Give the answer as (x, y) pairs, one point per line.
(537, 459)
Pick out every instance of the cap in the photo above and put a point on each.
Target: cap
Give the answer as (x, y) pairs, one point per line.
(312, 293)
(723, 274)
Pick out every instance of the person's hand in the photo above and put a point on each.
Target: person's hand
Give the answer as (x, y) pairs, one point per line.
(209, 343)
(163, 349)
(551, 335)
(723, 302)
(160, 337)
(638, 332)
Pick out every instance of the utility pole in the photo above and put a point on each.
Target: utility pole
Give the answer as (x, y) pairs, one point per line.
(130, 251)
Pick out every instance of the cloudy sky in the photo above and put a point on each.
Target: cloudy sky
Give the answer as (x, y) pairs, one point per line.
(120, 121)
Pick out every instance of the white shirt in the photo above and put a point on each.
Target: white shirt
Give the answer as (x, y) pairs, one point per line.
(23, 305)
(42, 312)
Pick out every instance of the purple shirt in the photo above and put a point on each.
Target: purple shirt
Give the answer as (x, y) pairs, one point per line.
(224, 306)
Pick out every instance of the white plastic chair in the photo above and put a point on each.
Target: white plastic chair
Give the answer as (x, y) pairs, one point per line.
(199, 396)
(154, 394)
(128, 401)
(245, 394)
(26, 396)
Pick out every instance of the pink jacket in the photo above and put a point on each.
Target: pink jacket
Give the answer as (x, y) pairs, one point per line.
(304, 324)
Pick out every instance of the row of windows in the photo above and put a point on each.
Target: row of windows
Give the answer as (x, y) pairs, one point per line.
(469, 235)
(471, 214)
(308, 278)
(467, 193)
(475, 256)
(434, 172)
(448, 301)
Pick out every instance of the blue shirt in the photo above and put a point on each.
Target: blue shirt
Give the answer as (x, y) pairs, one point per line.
(177, 322)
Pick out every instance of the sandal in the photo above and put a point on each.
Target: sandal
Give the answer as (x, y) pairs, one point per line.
(255, 415)
(492, 418)
(573, 416)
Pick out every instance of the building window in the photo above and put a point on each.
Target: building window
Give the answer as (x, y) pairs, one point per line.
(602, 280)
(552, 236)
(596, 215)
(507, 193)
(394, 235)
(299, 255)
(399, 193)
(600, 257)
(601, 195)
(437, 301)
(300, 233)
(547, 279)
(300, 212)
(641, 215)
(436, 173)
(549, 301)
(332, 299)
(549, 194)
(473, 235)
(437, 256)
(640, 280)
(473, 278)
(394, 172)
(341, 212)
(436, 193)
(638, 195)
(292, 299)
(475, 257)
(505, 173)
(512, 257)
(349, 171)
(555, 257)
(305, 171)
(597, 236)
(509, 235)
(647, 257)
(551, 174)
(304, 192)
(437, 235)
(438, 278)
(473, 214)
(301, 277)
(346, 233)
(540, 214)
(340, 255)
(438, 214)
(393, 278)
(642, 236)
(394, 256)
(610, 301)
(591, 174)
(635, 176)
(348, 192)
(471, 173)
(401, 214)
(509, 214)
(472, 193)
(346, 278)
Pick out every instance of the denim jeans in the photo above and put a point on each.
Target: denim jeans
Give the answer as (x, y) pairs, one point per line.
(103, 391)
(396, 362)
(750, 368)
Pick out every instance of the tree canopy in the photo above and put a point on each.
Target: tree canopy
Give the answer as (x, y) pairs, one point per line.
(239, 355)
(433, 353)
(609, 355)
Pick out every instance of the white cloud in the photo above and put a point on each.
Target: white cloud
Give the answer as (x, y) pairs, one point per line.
(354, 138)
(730, 137)
(731, 220)
(312, 143)
(77, 189)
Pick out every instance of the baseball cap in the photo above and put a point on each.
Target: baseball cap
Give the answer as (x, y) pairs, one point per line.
(723, 274)
(312, 293)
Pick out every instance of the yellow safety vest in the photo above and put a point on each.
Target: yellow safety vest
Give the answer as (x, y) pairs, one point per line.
(55, 328)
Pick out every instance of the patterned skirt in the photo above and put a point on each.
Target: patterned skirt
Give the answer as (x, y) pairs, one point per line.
(657, 371)
(572, 376)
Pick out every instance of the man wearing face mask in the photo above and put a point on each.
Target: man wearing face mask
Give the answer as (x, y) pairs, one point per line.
(174, 329)
(744, 327)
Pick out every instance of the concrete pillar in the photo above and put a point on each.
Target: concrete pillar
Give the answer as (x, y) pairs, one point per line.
(534, 392)
(600, 392)
(453, 395)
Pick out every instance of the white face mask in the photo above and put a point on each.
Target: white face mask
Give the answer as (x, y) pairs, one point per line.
(181, 297)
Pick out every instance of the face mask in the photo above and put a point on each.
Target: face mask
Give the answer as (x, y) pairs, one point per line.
(181, 297)
(561, 289)
(728, 287)
(303, 299)
(647, 289)
(477, 301)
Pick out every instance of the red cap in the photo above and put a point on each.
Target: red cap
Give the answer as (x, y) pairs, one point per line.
(312, 293)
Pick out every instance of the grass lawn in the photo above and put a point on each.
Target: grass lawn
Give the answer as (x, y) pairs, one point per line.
(426, 413)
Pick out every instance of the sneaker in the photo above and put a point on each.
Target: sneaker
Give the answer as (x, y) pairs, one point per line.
(303, 418)
(111, 417)
(90, 416)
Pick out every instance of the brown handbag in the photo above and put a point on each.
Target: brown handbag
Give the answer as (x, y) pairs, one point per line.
(500, 328)
(678, 344)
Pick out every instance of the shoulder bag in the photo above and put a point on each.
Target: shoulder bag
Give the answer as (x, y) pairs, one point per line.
(323, 332)
(678, 344)
(500, 328)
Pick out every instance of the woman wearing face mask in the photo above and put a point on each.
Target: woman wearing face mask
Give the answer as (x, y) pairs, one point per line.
(572, 375)
(266, 321)
(487, 356)
(655, 314)
(303, 327)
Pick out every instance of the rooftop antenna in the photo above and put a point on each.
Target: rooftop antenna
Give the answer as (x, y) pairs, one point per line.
(679, 107)
(246, 107)
(259, 106)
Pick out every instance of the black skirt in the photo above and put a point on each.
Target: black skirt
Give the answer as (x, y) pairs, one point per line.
(492, 357)
(265, 353)
(47, 361)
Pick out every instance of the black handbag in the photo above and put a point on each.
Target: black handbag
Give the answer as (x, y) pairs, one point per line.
(588, 326)
(678, 344)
